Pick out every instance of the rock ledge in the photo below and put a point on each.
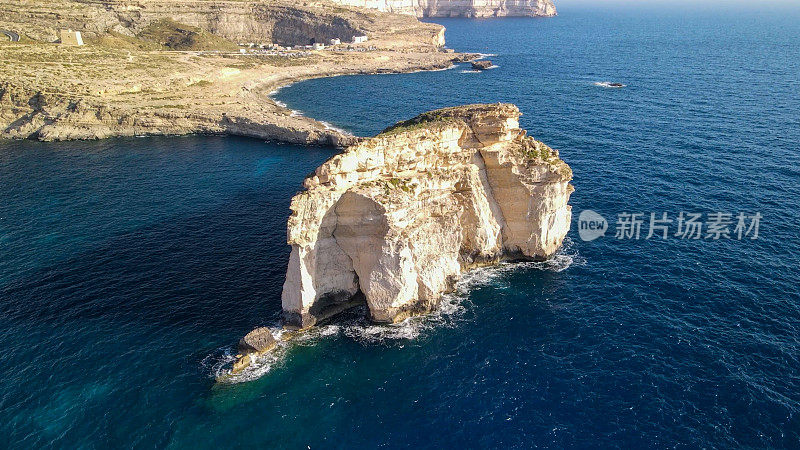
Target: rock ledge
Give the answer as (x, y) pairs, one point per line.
(253, 345)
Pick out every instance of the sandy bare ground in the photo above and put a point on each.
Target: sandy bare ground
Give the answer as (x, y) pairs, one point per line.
(109, 88)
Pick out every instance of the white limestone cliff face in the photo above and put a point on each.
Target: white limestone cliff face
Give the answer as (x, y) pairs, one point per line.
(394, 220)
(460, 8)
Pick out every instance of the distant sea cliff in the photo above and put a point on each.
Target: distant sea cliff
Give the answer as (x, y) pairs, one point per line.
(460, 8)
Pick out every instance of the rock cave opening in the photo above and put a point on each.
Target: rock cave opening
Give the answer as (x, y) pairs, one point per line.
(308, 30)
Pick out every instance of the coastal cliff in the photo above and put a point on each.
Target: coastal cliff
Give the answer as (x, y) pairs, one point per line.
(173, 67)
(394, 220)
(460, 8)
(274, 21)
(28, 113)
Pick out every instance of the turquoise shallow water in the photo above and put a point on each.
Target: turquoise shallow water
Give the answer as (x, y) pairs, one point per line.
(130, 267)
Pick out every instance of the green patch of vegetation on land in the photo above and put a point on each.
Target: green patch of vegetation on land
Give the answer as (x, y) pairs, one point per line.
(537, 151)
(171, 106)
(401, 184)
(177, 36)
(446, 116)
(121, 42)
(246, 62)
(422, 121)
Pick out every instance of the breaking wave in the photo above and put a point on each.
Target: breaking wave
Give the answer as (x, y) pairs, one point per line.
(493, 66)
(328, 126)
(356, 326)
(609, 84)
(296, 113)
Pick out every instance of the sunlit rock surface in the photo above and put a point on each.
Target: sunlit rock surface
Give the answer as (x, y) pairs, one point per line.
(460, 8)
(394, 220)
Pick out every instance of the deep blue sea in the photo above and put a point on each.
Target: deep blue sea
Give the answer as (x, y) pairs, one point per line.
(129, 268)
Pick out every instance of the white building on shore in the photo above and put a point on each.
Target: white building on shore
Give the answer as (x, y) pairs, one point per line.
(359, 39)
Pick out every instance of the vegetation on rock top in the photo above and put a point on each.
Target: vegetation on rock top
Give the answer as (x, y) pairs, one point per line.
(449, 115)
(177, 36)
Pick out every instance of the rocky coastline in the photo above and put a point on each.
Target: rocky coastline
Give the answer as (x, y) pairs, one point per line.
(125, 82)
(393, 221)
(31, 113)
(390, 224)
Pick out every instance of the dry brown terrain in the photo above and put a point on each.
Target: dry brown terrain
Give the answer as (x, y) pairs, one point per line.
(129, 80)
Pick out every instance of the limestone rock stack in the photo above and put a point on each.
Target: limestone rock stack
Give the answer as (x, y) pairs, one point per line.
(394, 220)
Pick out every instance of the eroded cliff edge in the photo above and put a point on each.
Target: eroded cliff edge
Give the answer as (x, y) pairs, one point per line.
(394, 220)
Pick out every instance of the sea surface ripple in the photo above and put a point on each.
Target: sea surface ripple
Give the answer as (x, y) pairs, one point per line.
(129, 268)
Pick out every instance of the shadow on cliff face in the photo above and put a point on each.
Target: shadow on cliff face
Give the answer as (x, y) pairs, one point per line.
(345, 251)
(303, 28)
(218, 270)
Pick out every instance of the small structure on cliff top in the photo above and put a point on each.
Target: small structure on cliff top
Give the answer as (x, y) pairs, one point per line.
(69, 37)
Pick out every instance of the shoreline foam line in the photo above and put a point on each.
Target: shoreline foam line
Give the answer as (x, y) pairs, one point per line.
(448, 314)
